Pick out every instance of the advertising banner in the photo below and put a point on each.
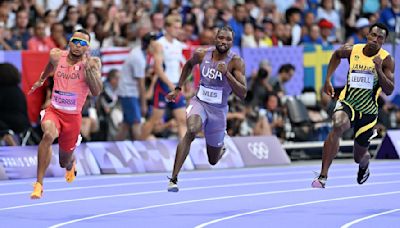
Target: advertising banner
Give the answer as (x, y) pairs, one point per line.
(231, 158)
(261, 150)
(159, 155)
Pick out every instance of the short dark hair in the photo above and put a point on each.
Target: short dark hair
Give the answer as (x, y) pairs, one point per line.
(84, 31)
(9, 75)
(226, 28)
(112, 74)
(147, 38)
(286, 68)
(381, 26)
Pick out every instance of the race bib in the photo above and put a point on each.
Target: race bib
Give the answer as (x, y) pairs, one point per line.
(361, 80)
(64, 100)
(212, 96)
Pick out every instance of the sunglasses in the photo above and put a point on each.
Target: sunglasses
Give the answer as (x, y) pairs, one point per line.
(77, 41)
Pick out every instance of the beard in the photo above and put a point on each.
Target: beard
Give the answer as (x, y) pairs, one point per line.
(75, 55)
(221, 51)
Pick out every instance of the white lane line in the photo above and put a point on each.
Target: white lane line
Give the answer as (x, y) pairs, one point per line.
(164, 191)
(347, 167)
(218, 198)
(347, 225)
(190, 180)
(294, 205)
(181, 180)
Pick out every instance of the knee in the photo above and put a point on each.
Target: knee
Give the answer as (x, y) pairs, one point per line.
(340, 125)
(48, 137)
(193, 129)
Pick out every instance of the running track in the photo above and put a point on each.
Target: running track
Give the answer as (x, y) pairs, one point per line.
(252, 197)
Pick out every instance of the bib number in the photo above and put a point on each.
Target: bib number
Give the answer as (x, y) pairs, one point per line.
(212, 96)
(64, 100)
(361, 80)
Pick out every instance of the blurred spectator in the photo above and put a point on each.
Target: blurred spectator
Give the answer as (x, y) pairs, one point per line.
(262, 40)
(360, 36)
(255, 122)
(34, 10)
(328, 12)
(92, 25)
(313, 36)
(285, 73)
(278, 38)
(259, 84)
(168, 59)
(309, 20)
(157, 22)
(13, 109)
(293, 18)
(274, 115)
(389, 16)
(39, 42)
(70, 21)
(57, 38)
(207, 37)
(3, 37)
(21, 34)
(110, 115)
(248, 39)
(237, 23)
(90, 119)
(326, 30)
(131, 88)
(50, 17)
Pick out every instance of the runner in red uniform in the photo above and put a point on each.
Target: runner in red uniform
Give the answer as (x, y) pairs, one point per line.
(75, 73)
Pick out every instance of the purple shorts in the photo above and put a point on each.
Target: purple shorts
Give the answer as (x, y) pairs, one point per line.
(213, 120)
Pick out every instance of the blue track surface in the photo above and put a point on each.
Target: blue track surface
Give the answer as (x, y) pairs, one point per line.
(256, 197)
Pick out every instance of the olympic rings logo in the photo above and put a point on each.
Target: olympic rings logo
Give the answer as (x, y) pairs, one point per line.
(259, 149)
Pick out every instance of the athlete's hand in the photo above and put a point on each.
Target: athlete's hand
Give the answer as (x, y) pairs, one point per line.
(378, 62)
(35, 86)
(221, 67)
(328, 88)
(171, 96)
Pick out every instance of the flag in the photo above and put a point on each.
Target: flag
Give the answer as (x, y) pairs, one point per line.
(113, 58)
(316, 60)
(33, 64)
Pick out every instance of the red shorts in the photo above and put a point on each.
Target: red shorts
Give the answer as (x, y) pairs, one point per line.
(68, 126)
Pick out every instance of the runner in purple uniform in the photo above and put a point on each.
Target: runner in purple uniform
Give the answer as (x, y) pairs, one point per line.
(222, 72)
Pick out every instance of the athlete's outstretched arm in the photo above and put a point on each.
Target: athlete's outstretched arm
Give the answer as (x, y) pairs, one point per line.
(385, 71)
(197, 57)
(341, 53)
(236, 76)
(93, 75)
(55, 54)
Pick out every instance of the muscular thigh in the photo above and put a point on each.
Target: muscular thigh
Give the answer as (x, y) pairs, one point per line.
(364, 128)
(70, 132)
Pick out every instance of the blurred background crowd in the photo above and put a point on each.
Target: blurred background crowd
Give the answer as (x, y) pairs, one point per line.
(40, 25)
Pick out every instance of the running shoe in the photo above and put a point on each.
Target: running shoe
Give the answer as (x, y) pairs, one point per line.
(37, 191)
(362, 175)
(173, 185)
(71, 174)
(319, 182)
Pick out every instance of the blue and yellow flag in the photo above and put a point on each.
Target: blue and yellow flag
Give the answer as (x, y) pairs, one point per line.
(316, 60)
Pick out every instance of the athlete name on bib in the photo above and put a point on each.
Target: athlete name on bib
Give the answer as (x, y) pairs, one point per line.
(64, 100)
(361, 80)
(212, 96)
